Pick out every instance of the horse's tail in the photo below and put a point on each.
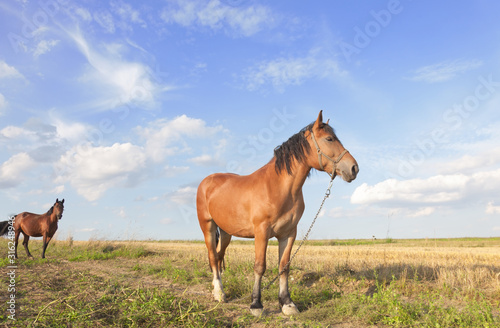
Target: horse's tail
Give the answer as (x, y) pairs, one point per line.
(4, 227)
(217, 240)
(217, 236)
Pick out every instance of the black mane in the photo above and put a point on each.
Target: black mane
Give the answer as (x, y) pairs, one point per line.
(295, 148)
(49, 212)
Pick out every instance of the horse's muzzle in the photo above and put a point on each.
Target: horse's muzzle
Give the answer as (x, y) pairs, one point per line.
(349, 176)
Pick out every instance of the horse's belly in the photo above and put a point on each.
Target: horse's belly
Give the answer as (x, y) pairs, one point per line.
(238, 225)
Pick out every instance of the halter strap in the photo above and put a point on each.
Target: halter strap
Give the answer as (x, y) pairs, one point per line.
(320, 160)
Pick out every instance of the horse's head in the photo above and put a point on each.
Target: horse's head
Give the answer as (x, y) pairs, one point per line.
(58, 208)
(331, 157)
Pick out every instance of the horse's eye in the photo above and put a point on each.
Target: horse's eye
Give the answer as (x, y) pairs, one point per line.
(329, 139)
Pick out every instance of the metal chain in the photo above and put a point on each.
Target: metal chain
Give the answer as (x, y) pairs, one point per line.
(327, 194)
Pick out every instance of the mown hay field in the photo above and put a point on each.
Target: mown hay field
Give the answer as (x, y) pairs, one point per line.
(335, 283)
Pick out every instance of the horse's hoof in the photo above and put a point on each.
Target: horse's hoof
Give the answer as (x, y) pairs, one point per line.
(219, 296)
(257, 312)
(290, 309)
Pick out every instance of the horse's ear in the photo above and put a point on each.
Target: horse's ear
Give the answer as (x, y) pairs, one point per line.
(328, 121)
(319, 121)
(57, 200)
(62, 202)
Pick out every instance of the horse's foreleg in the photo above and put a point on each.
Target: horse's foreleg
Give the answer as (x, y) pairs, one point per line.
(259, 268)
(26, 239)
(285, 248)
(16, 240)
(224, 240)
(46, 240)
(209, 231)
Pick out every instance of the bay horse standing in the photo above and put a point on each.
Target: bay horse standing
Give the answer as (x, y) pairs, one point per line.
(268, 203)
(37, 225)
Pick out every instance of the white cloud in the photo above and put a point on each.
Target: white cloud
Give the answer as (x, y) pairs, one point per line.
(58, 189)
(242, 20)
(116, 80)
(12, 132)
(7, 71)
(166, 221)
(422, 212)
(443, 71)
(173, 171)
(492, 209)
(13, 171)
(105, 20)
(3, 104)
(121, 212)
(44, 142)
(206, 160)
(93, 170)
(73, 132)
(481, 150)
(44, 46)
(468, 163)
(165, 137)
(184, 195)
(87, 230)
(120, 16)
(127, 14)
(283, 72)
(436, 190)
(84, 14)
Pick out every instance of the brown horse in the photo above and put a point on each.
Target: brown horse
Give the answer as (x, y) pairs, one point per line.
(268, 203)
(37, 225)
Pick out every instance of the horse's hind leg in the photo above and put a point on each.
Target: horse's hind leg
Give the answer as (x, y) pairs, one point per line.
(209, 229)
(25, 244)
(224, 239)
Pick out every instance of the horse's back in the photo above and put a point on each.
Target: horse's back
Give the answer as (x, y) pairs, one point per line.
(225, 187)
(22, 217)
(26, 216)
(28, 223)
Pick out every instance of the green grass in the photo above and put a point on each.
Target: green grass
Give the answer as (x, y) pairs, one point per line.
(105, 253)
(114, 305)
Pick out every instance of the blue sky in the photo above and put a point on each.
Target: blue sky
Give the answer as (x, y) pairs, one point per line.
(122, 108)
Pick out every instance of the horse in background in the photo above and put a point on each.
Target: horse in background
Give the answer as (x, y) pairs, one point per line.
(35, 225)
(268, 203)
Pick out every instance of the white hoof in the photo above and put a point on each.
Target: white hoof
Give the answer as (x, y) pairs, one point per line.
(219, 296)
(290, 309)
(256, 312)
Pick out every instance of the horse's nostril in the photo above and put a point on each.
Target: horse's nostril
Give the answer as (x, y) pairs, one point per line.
(355, 170)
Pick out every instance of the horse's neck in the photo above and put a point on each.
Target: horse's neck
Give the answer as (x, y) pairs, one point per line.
(52, 217)
(293, 182)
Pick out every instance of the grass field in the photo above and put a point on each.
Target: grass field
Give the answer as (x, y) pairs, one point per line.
(337, 283)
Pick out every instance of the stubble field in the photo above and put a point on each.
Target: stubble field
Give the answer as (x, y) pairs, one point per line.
(337, 283)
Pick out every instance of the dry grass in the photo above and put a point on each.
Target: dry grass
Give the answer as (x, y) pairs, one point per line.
(402, 283)
(464, 268)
